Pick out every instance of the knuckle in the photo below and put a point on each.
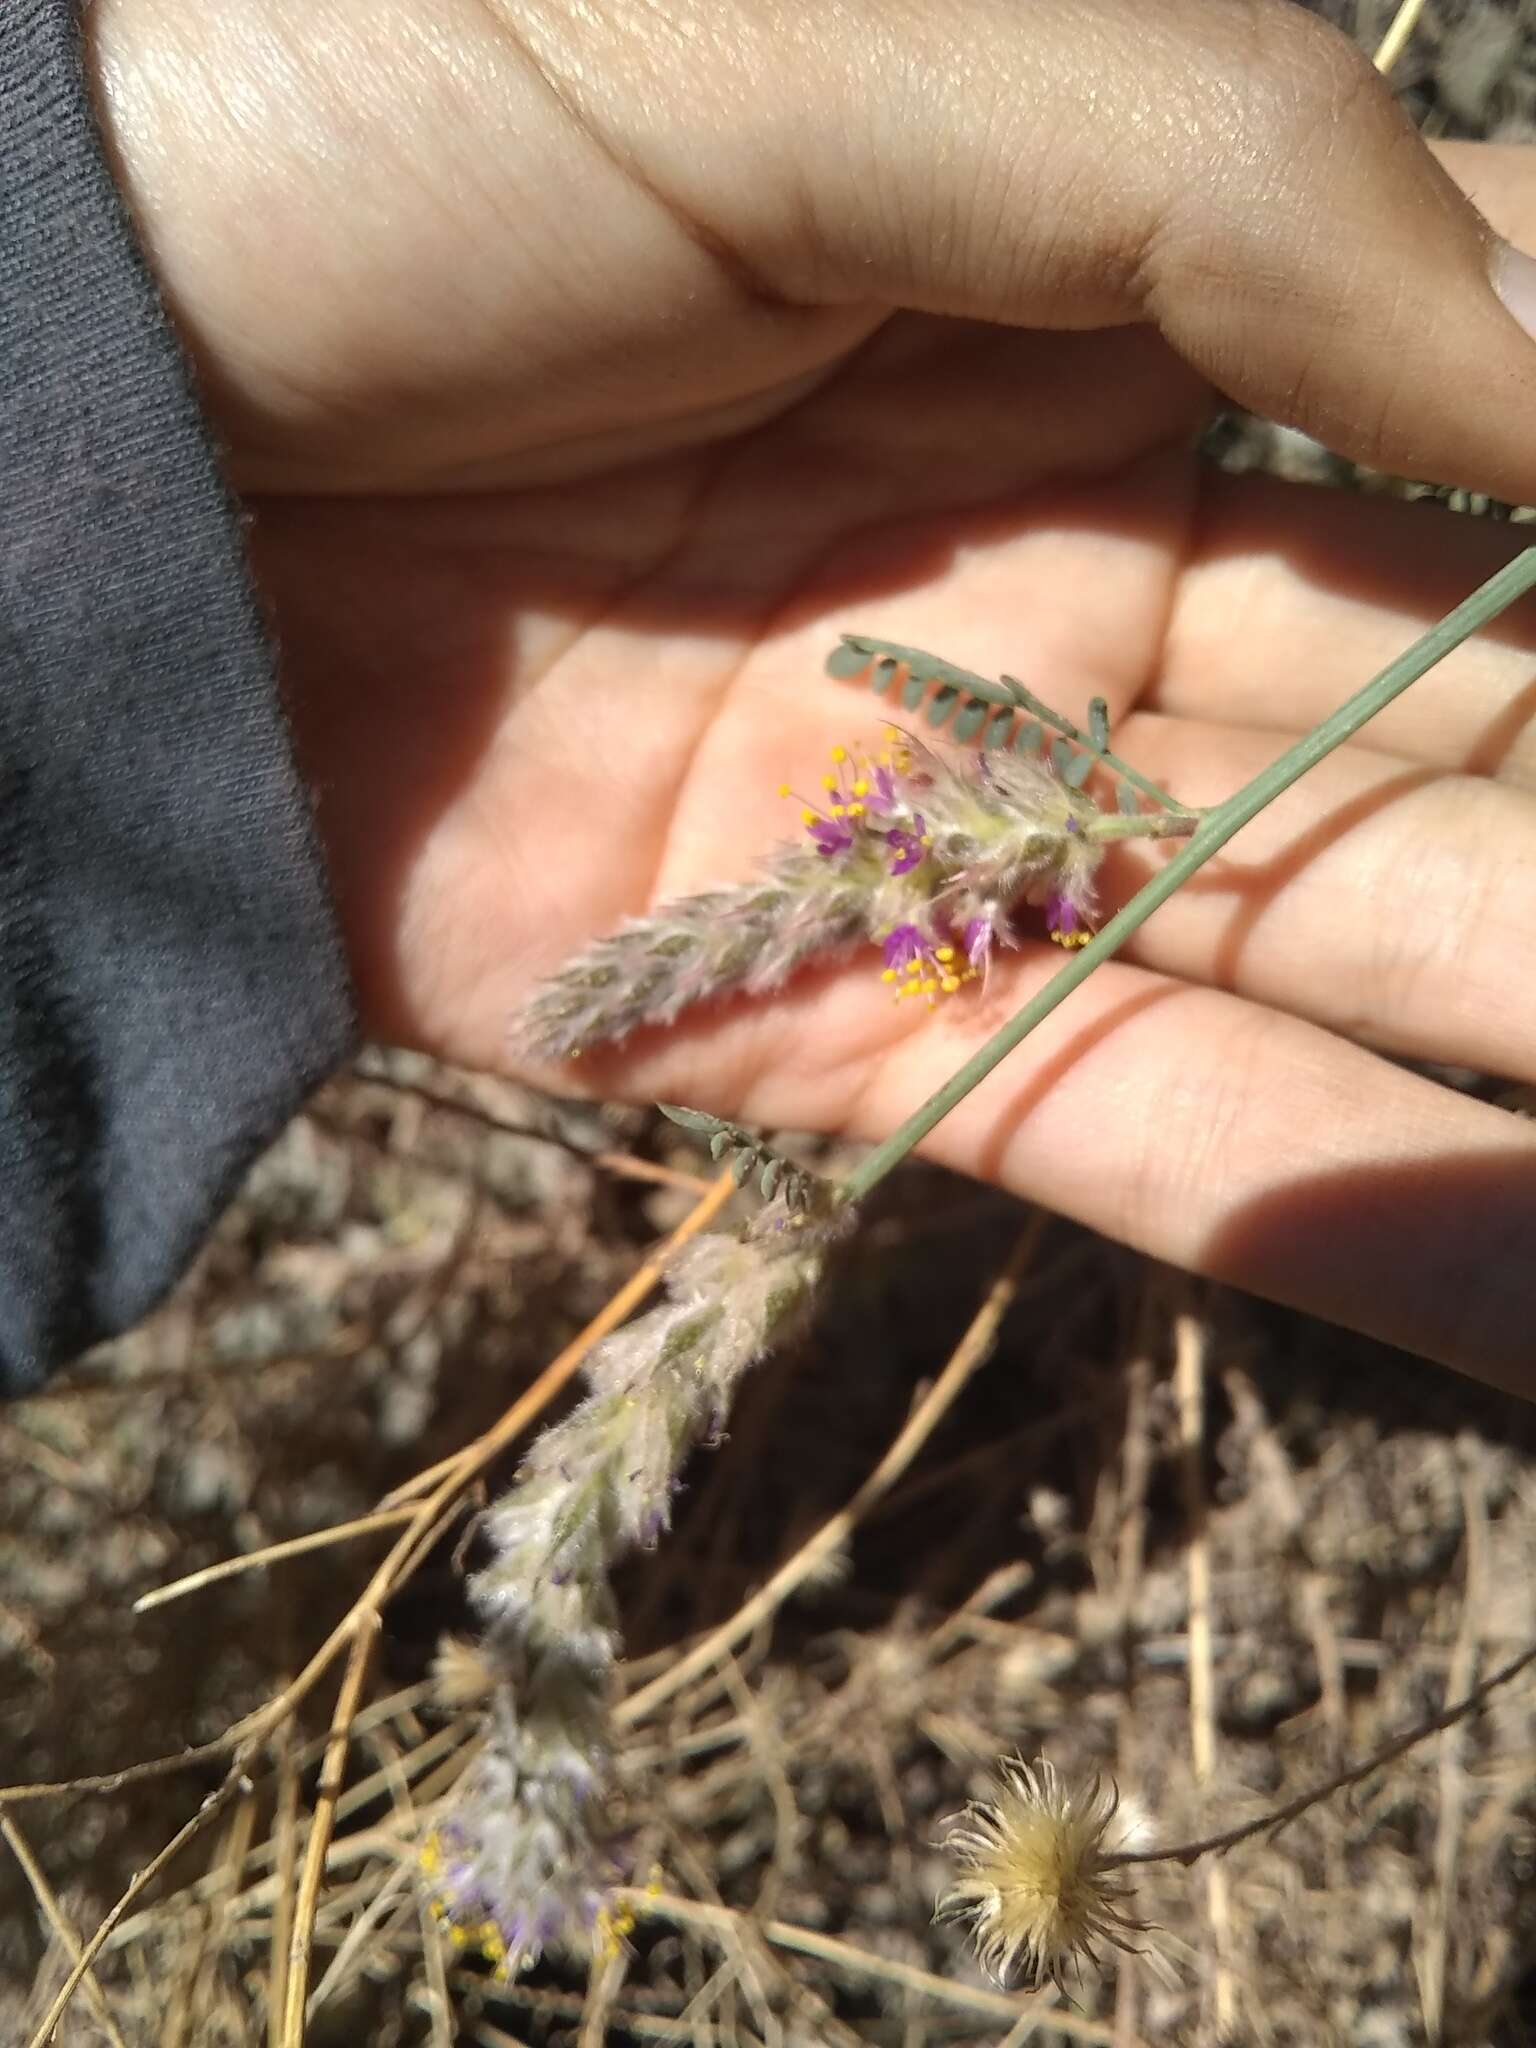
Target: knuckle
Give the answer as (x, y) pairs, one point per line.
(1316, 83)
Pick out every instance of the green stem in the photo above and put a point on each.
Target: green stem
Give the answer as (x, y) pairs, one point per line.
(1211, 834)
(1143, 825)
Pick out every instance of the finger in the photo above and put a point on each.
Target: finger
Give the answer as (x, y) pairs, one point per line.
(1499, 178)
(1238, 176)
(1204, 1130)
(1376, 897)
(1295, 597)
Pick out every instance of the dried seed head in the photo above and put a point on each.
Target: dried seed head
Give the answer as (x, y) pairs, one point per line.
(1035, 1882)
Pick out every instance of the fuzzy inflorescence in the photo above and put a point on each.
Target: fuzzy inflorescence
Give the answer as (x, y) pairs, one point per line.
(1037, 1882)
(524, 1860)
(927, 858)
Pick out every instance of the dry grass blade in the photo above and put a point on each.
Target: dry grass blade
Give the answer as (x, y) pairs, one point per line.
(332, 1770)
(285, 1837)
(860, 1962)
(623, 1165)
(236, 1782)
(1434, 1932)
(1398, 35)
(58, 1920)
(1189, 1390)
(271, 1553)
(435, 1997)
(969, 1354)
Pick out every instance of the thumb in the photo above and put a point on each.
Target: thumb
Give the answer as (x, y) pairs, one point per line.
(1233, 171)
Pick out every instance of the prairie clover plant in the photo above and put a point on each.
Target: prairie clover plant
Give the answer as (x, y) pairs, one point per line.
(526, 1859)
(929, 859)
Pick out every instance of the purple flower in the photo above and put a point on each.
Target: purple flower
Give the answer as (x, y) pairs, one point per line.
(978, 942)
(920, 965)
(903, 944)
(1064, 921)
(909, 846)
(830, 835)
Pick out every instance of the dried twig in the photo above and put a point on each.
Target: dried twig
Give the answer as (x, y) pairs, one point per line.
(1398, 35)
(858, 1962)
(271, 1553)
(1189, 1391)
(1279, 1817)
(623, 1165)
(59, 1921)
(235, 1782)
(1434, 1931)
(332, 1770)
(285, 1839)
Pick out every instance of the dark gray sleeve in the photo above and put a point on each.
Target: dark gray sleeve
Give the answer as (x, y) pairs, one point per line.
(171, 982)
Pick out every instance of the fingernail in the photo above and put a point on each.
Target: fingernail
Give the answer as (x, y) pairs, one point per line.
(1514, 279)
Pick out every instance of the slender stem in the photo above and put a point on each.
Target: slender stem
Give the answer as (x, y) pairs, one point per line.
(1143, 825)
(1011, 694)
(1210, 835)
(1279, 1817)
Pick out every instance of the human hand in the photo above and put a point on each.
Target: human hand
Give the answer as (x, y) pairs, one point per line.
(792, 370)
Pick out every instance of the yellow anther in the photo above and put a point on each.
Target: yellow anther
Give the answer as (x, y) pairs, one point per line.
(436, 1908)
(944, 953)
(431, 1854)
(457, 1938)
(861, 787)
(930, 987)
(839, 810)
(889, 974)
(829, 782)
(809, 817)
(855, 810)
(783, 789)
(839, 755)
(950, 983)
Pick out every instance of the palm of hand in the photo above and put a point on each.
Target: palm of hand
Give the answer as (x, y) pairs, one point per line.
(529, 714)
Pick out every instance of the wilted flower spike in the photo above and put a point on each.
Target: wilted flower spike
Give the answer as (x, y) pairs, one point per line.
(523, 1860)
(1035, 1881)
